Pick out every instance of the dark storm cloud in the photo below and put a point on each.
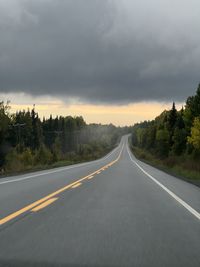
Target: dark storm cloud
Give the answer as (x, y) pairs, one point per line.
(100, 50)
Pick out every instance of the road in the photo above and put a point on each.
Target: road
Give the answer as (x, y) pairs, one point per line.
(116, 211)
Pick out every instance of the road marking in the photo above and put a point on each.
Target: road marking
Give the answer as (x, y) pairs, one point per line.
(44, 204)
(40, 201)
(178, 199)
(58, 170)
(76, 185)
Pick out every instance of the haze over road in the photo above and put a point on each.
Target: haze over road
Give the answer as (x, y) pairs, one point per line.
(116, 211)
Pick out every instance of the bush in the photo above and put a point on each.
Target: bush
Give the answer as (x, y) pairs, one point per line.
(171, 161)
(13, 161)
(26, 158)
(19, 161)
(43, 156)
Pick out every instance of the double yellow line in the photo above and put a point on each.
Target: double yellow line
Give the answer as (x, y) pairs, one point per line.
(45, 201)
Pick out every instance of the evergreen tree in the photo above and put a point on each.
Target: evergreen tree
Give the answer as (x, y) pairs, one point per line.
(194, 139)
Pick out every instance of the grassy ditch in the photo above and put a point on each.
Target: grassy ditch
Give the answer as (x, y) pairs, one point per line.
(182, 167)
(26, 162)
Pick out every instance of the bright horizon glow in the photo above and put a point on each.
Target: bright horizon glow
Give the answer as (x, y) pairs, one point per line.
(119, 115)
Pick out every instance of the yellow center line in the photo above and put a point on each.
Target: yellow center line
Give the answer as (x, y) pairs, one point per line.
(76, 185)
(40, 201)
(44, 204)
(90, 177)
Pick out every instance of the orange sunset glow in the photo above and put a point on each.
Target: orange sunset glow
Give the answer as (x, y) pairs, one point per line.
(119, 115)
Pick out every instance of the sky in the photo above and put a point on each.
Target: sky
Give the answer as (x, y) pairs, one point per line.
(118, 61)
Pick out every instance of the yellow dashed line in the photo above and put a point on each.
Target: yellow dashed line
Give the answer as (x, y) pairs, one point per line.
(44, 204)
(76, 185)
(50, 196)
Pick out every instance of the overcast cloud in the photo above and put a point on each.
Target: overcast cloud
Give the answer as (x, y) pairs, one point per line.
(114, 51)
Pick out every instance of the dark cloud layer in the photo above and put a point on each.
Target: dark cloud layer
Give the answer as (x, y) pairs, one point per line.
(100, 50)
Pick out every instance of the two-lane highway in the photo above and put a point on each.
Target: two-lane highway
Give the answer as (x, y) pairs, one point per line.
(116, 211)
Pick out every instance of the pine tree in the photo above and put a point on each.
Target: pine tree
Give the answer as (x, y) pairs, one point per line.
(172, 117)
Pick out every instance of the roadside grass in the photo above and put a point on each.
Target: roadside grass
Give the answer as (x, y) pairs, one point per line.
(181, 167)
(18, 166)
(35, 168)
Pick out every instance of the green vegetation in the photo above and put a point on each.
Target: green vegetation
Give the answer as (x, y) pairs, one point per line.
(172, 140)
(27, 143)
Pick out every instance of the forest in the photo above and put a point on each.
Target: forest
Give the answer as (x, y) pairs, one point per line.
(172, 139)
(27, 142)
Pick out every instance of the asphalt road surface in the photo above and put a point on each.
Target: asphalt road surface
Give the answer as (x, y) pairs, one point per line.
(116, 211)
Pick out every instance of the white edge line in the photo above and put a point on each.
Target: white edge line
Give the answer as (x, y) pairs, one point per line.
(178, 199)
(58, 170)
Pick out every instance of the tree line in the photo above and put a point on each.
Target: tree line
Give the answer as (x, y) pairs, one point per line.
(26, 141)
(173, 134)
